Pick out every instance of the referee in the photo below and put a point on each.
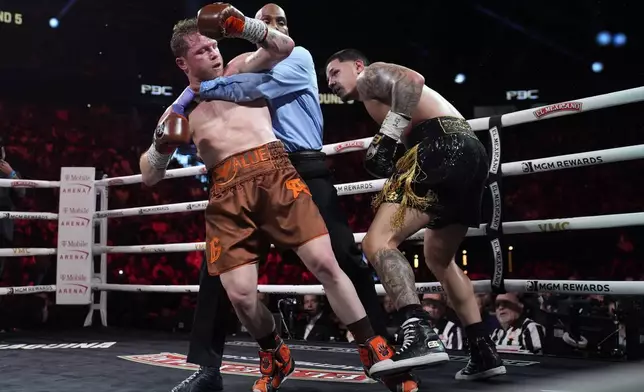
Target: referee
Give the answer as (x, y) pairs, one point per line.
(292, 92)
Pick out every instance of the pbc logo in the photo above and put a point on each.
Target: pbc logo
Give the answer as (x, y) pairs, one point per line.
(521, 95)
(156, 90)
(526, 167)
(532, 286)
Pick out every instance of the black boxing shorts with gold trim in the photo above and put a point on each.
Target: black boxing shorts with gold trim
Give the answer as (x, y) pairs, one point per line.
(443, 174)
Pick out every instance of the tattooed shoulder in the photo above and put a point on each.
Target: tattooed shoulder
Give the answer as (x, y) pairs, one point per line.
(377, 81)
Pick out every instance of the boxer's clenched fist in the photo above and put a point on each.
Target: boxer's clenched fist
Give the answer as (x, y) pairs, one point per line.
(220, 20)
(173, 130)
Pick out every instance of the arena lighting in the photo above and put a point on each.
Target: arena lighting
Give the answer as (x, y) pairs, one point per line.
(619, 39)
(510, 249)
(597, 67)
(464, 258)
(603, 38)
(459, 78)
(53, 23)
(415, 261)
(120, 272)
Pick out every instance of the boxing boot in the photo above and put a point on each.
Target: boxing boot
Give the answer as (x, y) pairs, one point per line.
(377, 349)
(275, 366)
(206, 379)
(406, 382)
(485, 362)
(421, 347)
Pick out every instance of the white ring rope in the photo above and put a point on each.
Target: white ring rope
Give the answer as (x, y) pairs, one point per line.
(28, 215)
(517, 227)
(509, 169)
(24, 252)
(576, 106)
(154, 210)
(4, 183)
(560, 162)
(572, 287)
(598, 157)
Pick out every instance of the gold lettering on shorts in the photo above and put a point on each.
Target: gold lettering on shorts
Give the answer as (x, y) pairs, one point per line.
(214, 248)
(297, 186)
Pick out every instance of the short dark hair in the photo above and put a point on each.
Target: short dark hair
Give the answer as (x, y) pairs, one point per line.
(180, 31)
(348, 55)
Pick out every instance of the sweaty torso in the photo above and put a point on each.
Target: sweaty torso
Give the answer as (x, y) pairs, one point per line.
(221, 129)
(431, 105)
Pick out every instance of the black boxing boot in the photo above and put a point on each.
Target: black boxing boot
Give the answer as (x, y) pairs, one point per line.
(421, 347)
(206, 379)
(485, 362)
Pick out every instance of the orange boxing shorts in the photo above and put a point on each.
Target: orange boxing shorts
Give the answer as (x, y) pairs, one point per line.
(257, 198)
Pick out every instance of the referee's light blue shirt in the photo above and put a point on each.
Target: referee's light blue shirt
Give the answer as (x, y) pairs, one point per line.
(291, 89)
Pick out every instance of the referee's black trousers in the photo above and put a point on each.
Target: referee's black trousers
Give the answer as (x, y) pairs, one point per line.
(209, 328)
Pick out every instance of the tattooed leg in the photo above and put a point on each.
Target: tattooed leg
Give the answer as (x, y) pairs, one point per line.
(380, 246)
(396, 276)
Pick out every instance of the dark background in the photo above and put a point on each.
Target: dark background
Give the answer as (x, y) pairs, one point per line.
(105, 49)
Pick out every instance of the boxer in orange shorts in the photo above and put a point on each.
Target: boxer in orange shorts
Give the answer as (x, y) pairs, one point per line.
(256, 195)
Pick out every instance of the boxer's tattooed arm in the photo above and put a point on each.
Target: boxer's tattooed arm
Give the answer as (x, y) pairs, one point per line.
(396, 276)
(277, 42)
(275, 48)
(392, 84)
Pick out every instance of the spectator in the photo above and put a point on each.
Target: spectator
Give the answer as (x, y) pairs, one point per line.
(488, 315)
(516, 331)
(451, 334)
(315, 324)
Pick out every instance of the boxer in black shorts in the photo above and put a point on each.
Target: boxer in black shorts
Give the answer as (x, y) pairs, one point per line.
(437, 170)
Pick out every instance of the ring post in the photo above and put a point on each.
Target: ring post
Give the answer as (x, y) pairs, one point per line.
(74, 251)
(100, 276)
(103, 241)
(494, 228)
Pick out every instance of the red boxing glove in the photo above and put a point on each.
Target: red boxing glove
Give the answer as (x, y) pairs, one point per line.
(220, 20)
